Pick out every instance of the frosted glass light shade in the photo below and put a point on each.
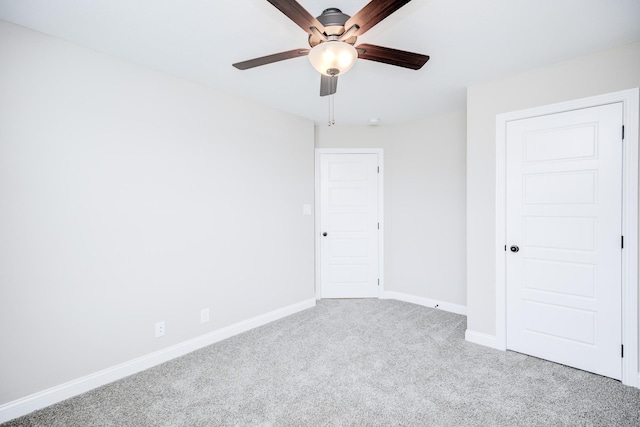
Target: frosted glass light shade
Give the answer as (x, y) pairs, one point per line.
(333, 57)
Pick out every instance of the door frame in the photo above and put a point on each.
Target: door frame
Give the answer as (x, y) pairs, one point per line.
(629, 304)
(380, 153)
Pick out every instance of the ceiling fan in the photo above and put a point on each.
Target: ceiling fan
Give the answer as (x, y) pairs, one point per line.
(332, 37)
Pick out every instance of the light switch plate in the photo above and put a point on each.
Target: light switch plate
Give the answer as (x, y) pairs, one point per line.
(204, 315)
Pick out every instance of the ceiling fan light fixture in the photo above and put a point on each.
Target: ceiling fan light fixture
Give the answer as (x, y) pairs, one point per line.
(333, 57)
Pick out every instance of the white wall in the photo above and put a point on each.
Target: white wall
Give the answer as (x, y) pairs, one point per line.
(129, 196)
(604, 72)
(424, 197)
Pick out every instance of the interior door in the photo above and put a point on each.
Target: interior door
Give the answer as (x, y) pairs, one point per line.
(563, 260)
(349, 225)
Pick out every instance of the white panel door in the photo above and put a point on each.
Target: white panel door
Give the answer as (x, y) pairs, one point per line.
(348, 225)
(563, 200)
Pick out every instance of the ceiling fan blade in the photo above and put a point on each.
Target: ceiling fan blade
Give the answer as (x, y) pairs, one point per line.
(264, 60)
(328, 85)
(297, 14)
(400, 58)
(374, 12)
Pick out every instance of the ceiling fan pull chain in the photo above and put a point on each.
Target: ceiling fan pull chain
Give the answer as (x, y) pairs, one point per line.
(332, 111)
(333, 115)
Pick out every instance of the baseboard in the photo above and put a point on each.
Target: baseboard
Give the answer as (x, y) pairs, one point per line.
(48, 397)
(427, 302)
(482, 339)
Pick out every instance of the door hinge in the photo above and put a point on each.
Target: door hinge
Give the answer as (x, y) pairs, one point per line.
(378, 226)
(622, 242)
(378, 169)
(623, 132)
(621, 350)
(378, 282)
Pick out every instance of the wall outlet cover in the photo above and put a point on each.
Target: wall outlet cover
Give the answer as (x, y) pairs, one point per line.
(159, 329)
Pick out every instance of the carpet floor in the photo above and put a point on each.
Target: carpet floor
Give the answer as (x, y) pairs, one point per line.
(362, 362)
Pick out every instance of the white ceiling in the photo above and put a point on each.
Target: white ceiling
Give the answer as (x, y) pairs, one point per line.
(469, 41)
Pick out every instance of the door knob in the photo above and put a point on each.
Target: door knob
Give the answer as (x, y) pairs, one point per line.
(324, 234)
(514, 248)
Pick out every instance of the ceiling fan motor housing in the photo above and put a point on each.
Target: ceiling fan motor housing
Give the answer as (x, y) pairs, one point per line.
(333, 20)
(333, 17)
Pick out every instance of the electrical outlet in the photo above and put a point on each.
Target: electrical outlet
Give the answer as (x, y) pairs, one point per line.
(204, 315)
(159, 329)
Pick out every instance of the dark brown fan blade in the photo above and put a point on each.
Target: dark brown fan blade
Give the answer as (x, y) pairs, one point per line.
(400, 58)
(374, 12)
(264, 60)
(297, 14)
(328, 85)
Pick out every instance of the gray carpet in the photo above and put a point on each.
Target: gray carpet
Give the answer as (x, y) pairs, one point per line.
(352, 362)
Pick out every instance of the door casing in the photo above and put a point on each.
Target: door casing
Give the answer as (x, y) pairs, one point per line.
(630, 101)
(317, 231)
